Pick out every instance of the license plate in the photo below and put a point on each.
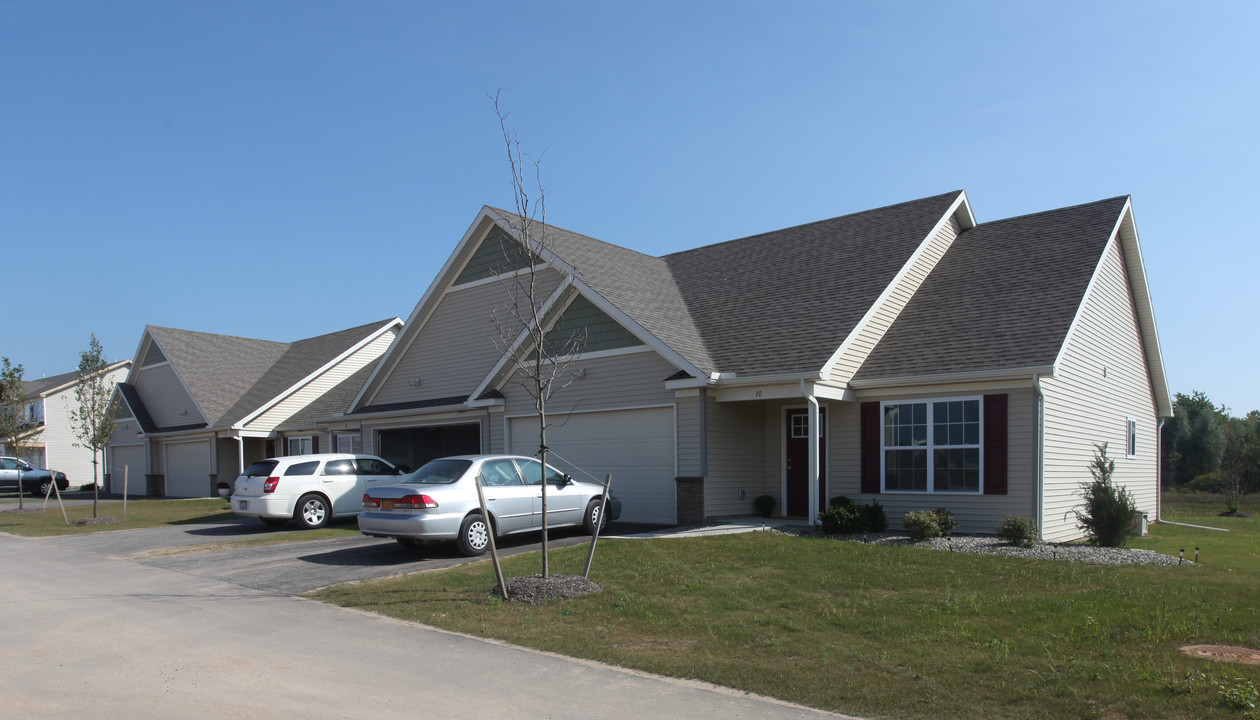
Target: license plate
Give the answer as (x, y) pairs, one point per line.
(242, 504)
(387, 504)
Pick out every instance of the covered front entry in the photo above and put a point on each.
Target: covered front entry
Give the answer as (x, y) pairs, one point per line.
(635, 446)
(796, 462)
(409, 448)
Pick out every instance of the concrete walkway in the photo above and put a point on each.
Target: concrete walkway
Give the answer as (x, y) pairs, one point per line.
(98, 634)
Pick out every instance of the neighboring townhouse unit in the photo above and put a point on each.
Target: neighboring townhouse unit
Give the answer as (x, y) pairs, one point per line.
(197, 408)
(938, 362)
(51, 437)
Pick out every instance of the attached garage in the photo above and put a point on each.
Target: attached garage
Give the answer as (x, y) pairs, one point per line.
(635, 446)
(188, 469)
(126, 462)
(412, 447)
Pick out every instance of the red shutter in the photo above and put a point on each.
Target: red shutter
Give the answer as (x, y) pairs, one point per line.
(871, 447)
(994, 445)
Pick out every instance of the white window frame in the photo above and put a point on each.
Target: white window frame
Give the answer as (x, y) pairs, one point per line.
(302, 440)
(930, 448)
(1130, 437)
(347, 438)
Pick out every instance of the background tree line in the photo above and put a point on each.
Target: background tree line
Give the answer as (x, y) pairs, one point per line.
(1208, 450)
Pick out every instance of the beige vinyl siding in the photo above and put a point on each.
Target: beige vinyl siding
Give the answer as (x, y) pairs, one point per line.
(165, 397)
(1102, 380)
(975, 512)
(635, 379)
(870, 334)
(736, 452)
(689, 429)
(455, 349)
(315, 389)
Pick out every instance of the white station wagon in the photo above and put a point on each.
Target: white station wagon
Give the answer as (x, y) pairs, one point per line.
(311, 489)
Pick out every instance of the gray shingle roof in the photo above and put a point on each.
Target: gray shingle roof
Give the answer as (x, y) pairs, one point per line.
(230, 377)
(1002, 297)
(778, 302)
(784, 301)
(34, 388)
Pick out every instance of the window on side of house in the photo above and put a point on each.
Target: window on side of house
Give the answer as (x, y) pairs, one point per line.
(932, 446)
(1130, 438)
(300, 446)
(345, 444)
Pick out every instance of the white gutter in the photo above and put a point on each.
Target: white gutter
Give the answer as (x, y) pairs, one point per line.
(1159, 470)
(240, 454)
(813, 454)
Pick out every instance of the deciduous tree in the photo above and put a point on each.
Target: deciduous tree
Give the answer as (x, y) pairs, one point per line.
(93, 419)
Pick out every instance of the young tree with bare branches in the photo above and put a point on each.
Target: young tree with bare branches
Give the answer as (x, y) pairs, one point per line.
(541, 360)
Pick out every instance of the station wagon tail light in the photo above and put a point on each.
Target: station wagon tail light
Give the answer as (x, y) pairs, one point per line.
(415, 502)
(370, 502)
(269, 485)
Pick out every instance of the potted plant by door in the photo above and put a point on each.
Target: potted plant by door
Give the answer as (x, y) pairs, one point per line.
(764, 505)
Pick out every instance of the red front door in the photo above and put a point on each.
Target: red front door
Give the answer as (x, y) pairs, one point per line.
(797, 445)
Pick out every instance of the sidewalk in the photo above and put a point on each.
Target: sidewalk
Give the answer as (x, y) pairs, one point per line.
(726, 526)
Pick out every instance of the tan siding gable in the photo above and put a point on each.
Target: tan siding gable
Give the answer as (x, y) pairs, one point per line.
(165, 398)
(869, 334)
(455, 348)
(1102, 379)
(315, 389)
(635, 379)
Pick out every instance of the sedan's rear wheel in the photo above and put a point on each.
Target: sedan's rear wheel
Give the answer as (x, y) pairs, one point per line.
(312, 511)
(474, 535)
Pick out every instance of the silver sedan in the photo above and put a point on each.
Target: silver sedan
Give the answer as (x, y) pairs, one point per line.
(439, 502)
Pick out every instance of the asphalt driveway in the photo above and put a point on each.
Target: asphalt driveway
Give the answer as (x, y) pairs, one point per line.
(94, 626)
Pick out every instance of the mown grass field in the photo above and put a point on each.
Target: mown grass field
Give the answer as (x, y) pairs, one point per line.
(887, 632)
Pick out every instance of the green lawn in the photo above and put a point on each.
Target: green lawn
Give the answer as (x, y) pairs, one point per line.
(150, 513)
(885, 632)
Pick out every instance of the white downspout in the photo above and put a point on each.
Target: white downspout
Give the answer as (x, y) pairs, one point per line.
(1039, 464)
(814, 439)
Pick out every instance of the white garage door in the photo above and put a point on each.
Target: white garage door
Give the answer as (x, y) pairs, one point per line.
(127, 461)
(188, 469)
(635, 446)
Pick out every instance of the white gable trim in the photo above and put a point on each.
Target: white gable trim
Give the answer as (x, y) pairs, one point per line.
(966, 220)
(396, 322)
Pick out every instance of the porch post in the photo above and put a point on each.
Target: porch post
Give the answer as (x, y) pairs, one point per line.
(812, 444)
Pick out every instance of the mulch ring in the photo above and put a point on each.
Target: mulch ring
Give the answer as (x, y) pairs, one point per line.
(536, 590)
(103, 520)
(1224, 653)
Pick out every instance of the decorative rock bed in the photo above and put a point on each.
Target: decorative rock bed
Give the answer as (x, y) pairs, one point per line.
(535, 589)
(991, 545)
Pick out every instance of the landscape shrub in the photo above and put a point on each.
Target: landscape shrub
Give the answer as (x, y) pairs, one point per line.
(1018, 530)
(1213, 482)
(1109, 512)
(946, 520)
(921, 525)
(875, 517)
(846, 517)
(764, 505)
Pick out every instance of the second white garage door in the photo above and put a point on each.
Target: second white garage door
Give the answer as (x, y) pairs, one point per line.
(188, 469)
(635, 446)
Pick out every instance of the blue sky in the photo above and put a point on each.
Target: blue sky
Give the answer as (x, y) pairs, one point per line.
(285, 169)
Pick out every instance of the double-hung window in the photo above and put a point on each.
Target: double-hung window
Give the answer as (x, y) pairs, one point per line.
(932, 446)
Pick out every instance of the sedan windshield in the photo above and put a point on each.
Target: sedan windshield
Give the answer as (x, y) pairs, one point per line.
(439, 472)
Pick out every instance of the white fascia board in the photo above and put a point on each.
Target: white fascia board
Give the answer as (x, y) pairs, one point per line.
(946, 378)
(414, 323)
(535, 246)
(505, 357)
(396, 322)
(959, 207)
(1135, 265)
